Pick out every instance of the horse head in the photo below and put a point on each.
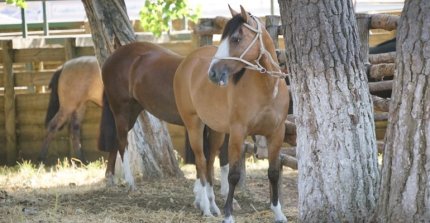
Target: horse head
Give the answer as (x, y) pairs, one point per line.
(244, 45)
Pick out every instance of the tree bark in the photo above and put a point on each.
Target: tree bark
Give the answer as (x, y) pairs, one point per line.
(149, 142)
(405, 184)
(336, 142)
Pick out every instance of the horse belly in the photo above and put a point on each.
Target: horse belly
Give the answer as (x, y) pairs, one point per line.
(266, 122)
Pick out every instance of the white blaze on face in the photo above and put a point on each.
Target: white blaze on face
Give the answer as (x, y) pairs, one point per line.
(223, 51)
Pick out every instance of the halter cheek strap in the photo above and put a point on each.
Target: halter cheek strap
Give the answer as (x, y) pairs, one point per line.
(257, 66)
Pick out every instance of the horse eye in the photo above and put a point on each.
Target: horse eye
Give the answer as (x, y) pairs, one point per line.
(235, 39)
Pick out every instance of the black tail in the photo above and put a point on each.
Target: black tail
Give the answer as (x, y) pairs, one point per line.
(107, 139)
(54, 102)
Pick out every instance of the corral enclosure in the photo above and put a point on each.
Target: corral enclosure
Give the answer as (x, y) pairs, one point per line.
(28, 64)
(33, 62)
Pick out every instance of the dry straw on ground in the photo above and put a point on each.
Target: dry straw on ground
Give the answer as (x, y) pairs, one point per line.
(67, 193)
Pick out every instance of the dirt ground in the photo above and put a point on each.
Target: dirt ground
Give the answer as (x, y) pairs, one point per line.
(79, 196)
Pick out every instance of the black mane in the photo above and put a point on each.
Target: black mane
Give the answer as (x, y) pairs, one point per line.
(232, 25)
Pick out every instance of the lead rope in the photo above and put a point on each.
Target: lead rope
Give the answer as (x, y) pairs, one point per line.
(257, 66)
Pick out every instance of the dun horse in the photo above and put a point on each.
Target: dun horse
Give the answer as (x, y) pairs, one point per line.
(72, 86)
(234, 89)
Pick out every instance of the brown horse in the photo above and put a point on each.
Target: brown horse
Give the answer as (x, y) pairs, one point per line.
(235, 89)
(137, 77)
(77, 82)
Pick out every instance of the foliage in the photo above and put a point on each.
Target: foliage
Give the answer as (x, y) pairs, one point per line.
(19, 3)
(156, 14)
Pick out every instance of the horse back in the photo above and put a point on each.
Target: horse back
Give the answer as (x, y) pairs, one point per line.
(143, 72)
(81, 81)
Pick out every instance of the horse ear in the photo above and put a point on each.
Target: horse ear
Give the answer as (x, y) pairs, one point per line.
(232, 11)
(244, 13)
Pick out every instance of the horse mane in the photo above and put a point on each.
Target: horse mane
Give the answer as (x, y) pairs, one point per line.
(54, 101)
(232, 25)
(384, 47)
(237, 76)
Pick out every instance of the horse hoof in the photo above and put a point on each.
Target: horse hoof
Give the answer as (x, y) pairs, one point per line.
(228, 219)
(206, 214)
(215, 211)
(109, 180)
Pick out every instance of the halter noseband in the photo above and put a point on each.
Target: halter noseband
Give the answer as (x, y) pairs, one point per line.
(257, 66)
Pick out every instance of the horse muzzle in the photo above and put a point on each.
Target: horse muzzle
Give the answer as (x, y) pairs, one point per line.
(218, 75)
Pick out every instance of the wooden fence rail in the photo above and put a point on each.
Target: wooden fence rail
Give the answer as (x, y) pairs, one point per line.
(25, 72)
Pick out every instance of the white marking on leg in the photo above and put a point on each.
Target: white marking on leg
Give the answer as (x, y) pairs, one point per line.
(202, 200)
(128, 175)
(196, 190)
(279, 216)
(211, 196)
(224, 181)
(223, 51)
(228, 219)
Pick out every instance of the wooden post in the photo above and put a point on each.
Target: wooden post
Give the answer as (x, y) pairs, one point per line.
(69, 48)
(24, 26)
(70, 53)
(272, 25)
(363, 21)
(45, 20)
(9, 102)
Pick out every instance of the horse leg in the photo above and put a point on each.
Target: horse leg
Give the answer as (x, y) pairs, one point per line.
(237, 137)
(75, 132)
(223, 163)
(54, 125)
(216, 139)
(195, 133)
(124, 120)
(275, 171)
(110, 169)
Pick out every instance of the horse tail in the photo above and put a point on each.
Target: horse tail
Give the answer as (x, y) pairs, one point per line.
(107, 139)
(189, 154)
(54, 101)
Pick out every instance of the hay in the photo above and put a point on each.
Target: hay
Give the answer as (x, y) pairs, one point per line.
(51, 196)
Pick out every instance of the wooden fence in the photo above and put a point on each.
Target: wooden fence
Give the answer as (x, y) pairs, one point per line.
(28, 70)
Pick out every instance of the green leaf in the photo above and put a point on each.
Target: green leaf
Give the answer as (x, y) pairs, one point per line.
(19, 3)
(156, 14)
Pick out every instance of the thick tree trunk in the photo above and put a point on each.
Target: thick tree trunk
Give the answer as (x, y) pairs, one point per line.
(405, 185)
(111, 28)
(336, 143)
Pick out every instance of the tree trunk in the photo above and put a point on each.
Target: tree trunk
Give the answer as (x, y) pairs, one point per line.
(111, 28)
(405, 184)
(336, 143)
